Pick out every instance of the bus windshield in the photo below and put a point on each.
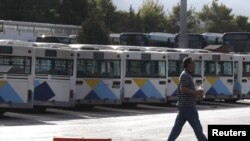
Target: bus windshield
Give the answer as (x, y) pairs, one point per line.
(246, 69)
(213, 39)
(146, 68)
(175, 68)
(133, 39)
(15, 65)
(52, 66)
(215, 68)
(57, 39)
(236, 36)
(196, 41)
(97, 68)
(197, 71)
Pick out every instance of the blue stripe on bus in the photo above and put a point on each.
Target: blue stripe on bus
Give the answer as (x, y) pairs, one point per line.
(221, 88)
(103, 91)
(150, 90)
(7, 94)
(43, 92)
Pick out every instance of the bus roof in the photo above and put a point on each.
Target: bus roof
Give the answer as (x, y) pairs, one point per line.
(90, 47)
(117, 35)
(128, 48)
(212, 34)
(50, 45)
(16, 42)
(133, 33)
(161, 36)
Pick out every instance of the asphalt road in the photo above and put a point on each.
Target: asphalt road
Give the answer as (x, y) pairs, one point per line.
(143, 123)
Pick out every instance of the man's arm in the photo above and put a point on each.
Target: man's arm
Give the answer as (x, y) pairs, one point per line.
(184, 82)
(186, 90)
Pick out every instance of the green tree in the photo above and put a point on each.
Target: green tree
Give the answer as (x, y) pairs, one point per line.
(106, 13)
(217, 18)
(121, 22)
(94, 30)
(134, 21)
(127, 21)
(173, 20)
(72, 12)
(242, 23)
(153, 16)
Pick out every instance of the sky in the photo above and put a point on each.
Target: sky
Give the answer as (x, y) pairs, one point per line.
(239, 7)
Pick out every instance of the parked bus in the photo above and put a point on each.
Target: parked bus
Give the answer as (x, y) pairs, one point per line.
(158, 39)
(155, 39)
(213, 38)
(16, 61)
(98, 75)
(175, 67)
(133, 39)
(114, 39)
(239, 41)
(242, 75)
(195, 41)
(219, 76)
(144, 76)
(53, 80)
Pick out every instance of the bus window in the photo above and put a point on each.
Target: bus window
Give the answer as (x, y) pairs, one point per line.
(98, 68)
(146, 68)
(198, 67)
(239, 41)
(54, 66)
(225, 68)
(246, 69)
(210, 68)
(174, 68)
(195, 41)
(15, 65)
(57, 39)
(136, 39)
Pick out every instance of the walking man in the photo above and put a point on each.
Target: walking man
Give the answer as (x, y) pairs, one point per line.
(186, 103)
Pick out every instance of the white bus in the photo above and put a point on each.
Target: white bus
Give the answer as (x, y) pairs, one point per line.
(53, 80)
(175, 67)
(219, 76)
(16, 74)
(144, 75)
(242, 75)
(98, 75)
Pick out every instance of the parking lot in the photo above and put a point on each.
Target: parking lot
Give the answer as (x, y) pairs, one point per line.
(144, 122)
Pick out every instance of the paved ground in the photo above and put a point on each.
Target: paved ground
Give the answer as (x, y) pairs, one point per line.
(144, 123)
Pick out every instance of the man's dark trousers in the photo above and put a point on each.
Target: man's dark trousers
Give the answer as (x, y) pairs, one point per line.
(190, 114)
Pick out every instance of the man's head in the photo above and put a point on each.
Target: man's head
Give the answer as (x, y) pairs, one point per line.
(188, 64)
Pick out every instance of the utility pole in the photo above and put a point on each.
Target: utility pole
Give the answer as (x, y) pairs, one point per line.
(183, 36)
